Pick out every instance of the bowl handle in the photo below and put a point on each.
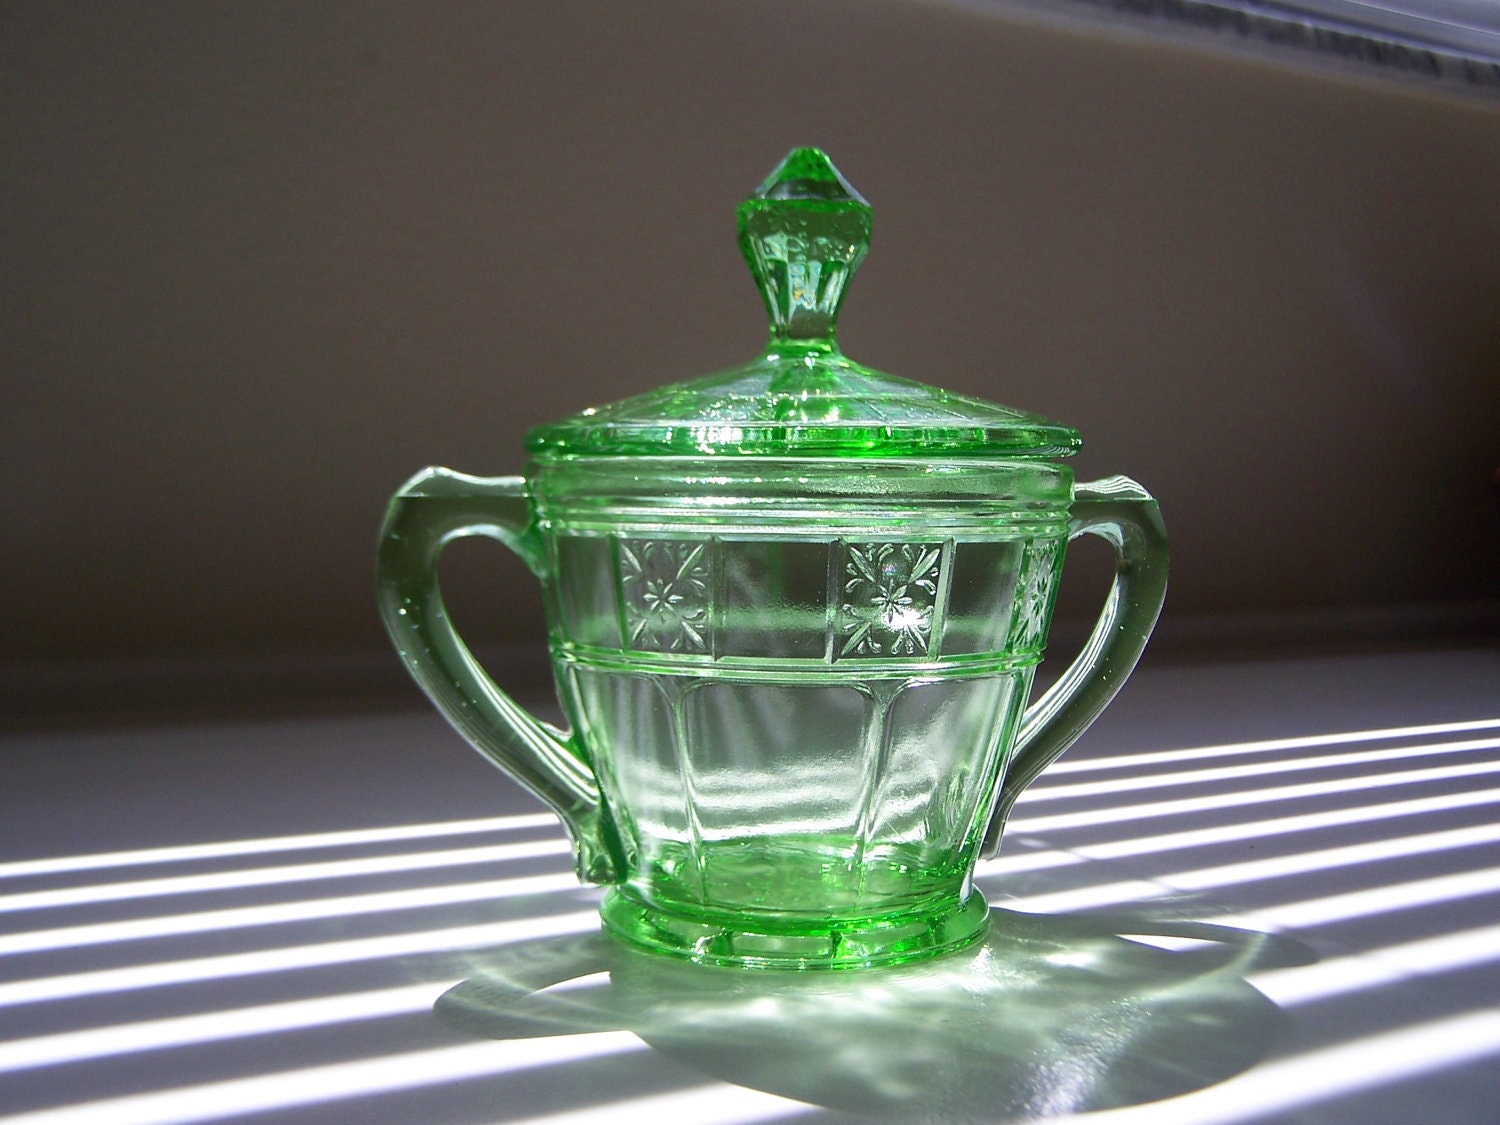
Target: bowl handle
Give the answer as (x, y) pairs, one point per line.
(1123, 513)
(428, 512)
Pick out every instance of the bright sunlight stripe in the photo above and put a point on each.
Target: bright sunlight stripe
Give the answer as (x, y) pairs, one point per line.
(1089, 818)
(1260, 829)
(275, 914)
(225, 966)
(1426, 957)
(277, 876)
(1293, 915)
(266, 844)
(1255, 870)
(1044, 792)
(1229, 749)
(1016, 862)
(1363, 904)
(1090, 897)
(1326, 859)
(319, 1084)
(233, 1023)
(707, 1105)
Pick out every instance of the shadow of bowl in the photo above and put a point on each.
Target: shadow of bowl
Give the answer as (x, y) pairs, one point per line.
(1049, 1015)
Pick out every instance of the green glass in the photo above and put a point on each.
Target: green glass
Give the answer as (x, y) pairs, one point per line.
(794, 612)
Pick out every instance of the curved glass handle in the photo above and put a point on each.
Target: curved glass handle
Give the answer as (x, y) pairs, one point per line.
(1123, 513)
(428, 512)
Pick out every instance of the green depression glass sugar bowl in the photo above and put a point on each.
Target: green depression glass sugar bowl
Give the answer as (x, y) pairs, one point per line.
(794, 610)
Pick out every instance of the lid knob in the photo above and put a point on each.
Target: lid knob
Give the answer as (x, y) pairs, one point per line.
(804, 232)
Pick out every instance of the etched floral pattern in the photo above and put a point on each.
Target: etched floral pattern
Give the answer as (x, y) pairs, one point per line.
(665, 591)
(889, 593)
(1034, 594)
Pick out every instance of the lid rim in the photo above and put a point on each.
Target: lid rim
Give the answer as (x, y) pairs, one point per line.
(774, 440)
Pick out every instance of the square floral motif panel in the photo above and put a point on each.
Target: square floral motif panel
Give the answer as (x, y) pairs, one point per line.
(889, 593)
(664, 590)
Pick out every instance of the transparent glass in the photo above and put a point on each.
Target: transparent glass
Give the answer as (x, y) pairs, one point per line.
(794, 646)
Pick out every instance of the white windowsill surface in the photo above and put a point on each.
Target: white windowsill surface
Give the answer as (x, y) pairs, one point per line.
(1261, 891)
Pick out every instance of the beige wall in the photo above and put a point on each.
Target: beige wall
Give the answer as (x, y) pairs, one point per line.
(262, 261)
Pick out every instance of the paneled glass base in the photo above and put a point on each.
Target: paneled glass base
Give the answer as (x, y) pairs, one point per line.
(798, 943)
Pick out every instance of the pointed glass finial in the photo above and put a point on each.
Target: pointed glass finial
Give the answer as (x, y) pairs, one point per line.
(804, 232)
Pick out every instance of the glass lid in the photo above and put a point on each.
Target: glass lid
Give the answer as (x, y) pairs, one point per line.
(804, 232)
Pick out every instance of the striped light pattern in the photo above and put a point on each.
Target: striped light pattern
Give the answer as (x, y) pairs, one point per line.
(297, 973)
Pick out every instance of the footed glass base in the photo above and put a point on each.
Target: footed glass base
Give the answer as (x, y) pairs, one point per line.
(780, 943)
